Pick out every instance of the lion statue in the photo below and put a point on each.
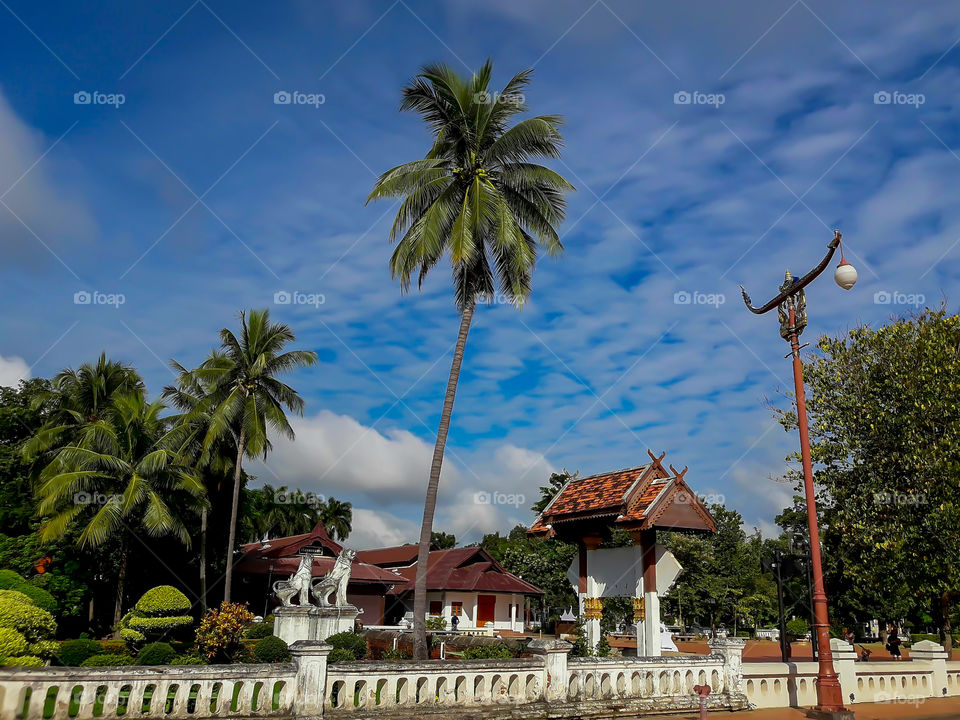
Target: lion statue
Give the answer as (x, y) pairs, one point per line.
(335, 581)
(297, 584)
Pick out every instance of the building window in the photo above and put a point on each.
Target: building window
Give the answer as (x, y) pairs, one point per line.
(436, 607)
(457, 609)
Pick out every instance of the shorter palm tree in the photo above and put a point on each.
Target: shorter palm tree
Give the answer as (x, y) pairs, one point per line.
(122, 474)
(243, 398)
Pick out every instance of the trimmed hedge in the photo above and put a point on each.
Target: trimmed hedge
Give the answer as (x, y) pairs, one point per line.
(12, 643)
(156, 653)
(158, 625)
(271, 649)
(259, 630)
(9, 579)
(339, 655)
(22, 661)
(107, 660)
(355, 644)
(30, 621)
(74, 652)
(188, 660)
(163, 601)
(41, 598)
(16, 596)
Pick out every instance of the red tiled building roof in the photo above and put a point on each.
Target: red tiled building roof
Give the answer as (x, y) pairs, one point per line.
(466, 569)
(397, 556)
(639, 498)
(279, 557)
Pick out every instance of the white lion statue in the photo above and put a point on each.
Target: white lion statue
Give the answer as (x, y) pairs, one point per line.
(298, 584)
(335, 581)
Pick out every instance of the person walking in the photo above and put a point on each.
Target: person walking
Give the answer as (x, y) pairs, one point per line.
(893, 642)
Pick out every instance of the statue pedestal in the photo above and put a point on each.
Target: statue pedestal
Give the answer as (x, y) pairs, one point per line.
(333, 620)
(295, 622)
(312, 623)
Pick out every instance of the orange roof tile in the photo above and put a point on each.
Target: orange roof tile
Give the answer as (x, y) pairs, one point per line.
(606, 491)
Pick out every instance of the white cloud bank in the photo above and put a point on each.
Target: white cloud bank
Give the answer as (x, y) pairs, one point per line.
(13, 370)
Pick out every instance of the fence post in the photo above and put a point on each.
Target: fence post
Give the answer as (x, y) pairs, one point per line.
(554, 653)
(310, 658)
(927, 651)
(731, 649)
(844, 659)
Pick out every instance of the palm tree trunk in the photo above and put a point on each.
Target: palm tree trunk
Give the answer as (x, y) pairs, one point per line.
(121, 583)
(203, 559)
(228, 578)
(420, 649)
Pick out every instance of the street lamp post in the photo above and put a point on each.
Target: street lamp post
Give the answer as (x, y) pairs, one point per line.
(791, 305)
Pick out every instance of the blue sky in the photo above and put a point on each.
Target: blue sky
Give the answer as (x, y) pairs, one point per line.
(199, 196)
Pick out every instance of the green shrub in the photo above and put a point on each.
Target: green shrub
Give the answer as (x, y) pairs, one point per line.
(30, 621)
(159, 625)
(107, 660)
(797, 627)
(493, 650)
(133, 638)
(340, 655)
(355, 644)
(41, 598)
(9, 579)
(188, 660)
(271, 649)
(163, 601)
(74, 652)
(16, 596)
(44, 648)
(22, 661)
(12, 643)
(436, 622)
(259, 630)
(156, 653)
(394, 654)
(602, 648)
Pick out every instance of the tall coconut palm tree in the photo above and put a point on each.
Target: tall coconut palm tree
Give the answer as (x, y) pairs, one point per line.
(337, 518)
(243, 397)
(477, 198)
(120, 474)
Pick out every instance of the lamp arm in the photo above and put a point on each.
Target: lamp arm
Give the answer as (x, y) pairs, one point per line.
(797, 284)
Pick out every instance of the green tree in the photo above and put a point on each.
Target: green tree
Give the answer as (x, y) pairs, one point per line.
(120, 474)
(337, 518)
(443, 541)
(554, 485)
(884, 414)
(77, 398)
(243, 398)
(477, 197)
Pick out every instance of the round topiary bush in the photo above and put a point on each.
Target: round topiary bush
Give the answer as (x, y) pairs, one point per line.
(355, 644)
(163, 601)
(12, 643)
(32, 622)
(41, 598)
(74, 652)
(107, 660)
(259, 630)
(9, 579)
(271, 649)
(16, 596)
(22, 661)
(156, 653)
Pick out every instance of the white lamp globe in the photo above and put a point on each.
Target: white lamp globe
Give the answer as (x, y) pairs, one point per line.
(845, 275)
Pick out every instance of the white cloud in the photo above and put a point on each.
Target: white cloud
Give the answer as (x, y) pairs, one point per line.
(36, 204)
(13, 370)
(374, 528)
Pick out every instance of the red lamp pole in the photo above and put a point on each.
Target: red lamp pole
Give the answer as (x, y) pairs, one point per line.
(791, 307)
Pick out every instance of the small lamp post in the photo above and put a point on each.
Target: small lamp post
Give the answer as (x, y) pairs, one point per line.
(791, 305)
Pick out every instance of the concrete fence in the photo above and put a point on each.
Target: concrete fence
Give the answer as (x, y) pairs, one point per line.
(928, 674)
(549, 682)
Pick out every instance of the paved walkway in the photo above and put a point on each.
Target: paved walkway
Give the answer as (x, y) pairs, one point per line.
(933, 709)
